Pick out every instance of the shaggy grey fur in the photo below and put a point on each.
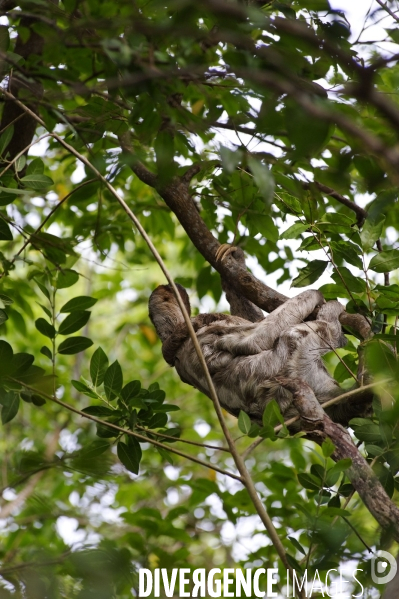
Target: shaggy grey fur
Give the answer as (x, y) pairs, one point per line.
(244, 358)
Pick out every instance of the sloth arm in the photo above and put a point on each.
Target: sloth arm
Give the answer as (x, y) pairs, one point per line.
(260, 336)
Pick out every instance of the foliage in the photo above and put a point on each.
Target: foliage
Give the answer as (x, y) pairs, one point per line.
(292, 124)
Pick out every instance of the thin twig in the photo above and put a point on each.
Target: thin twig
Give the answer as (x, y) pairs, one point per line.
(50, 214)
(386, 282)
(361, 214)
(388, 10)
(126, 431)
(177, 439)
(9, 165)
(245, 477)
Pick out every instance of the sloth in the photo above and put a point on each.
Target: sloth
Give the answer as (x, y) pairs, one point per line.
(247, 359)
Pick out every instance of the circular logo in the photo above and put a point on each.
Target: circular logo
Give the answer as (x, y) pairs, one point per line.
(383, 567)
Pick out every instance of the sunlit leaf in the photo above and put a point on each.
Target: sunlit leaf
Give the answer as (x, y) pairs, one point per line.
(310, 273)
(98, 366)
(113, 380)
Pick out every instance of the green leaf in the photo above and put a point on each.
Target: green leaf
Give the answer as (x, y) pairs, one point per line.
(46, 352)
(5, 300)
(385, 261)
(98, 366)
(45, 310)
(297, 545)
(267, 432)
(83, 302)
(45, 328)
(272, 415)
(130, 390)
(105, 432)
(73, 322)
(3, 316)
(20, 163)
(374, 450)
(43, 289)
(310, 273)
(137, 402)
(113, 380)
(156, 396)
(371, 231)
(74, 345)
(10, 402)
(294, 231)
(368, 433)
(359, 422)
(82, 388)
(344, 250)
(5, 231)
(6, 355)
(305, 132)
(5, 138)
(67, 278)
(203, 282)
(309, 482)
(263, 178)
(244, 422)
(334, 472)
(130, 455)
(37, 181)
(13, 191)
(37, 400)
(352, 283)
(100, 411)
(230, 158)
(158, 421)
(35, 167)
(165, 455)
(20, 363)
(166, 407)
(343, 370)
(95, 449)
(327, 448)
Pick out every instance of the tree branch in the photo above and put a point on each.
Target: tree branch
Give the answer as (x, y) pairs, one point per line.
(245, 477)
(354, 393)
(388, 10)
(320, 427)
(178, 197)
(361, 214)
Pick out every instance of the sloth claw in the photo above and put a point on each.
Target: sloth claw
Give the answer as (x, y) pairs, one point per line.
(223, 251)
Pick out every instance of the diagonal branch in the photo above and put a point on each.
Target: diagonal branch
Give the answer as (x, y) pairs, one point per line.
(245, 477)
(361, 214)
(320, 427)
(388, 10)
(178, 197)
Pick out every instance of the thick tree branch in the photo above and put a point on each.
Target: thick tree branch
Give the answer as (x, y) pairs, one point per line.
(245, 477)
(320, 427)
(233, 272)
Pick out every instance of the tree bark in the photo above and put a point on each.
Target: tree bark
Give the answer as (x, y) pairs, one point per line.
(320, 427)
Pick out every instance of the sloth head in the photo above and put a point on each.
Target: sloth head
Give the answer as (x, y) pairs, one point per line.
(164, 309)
